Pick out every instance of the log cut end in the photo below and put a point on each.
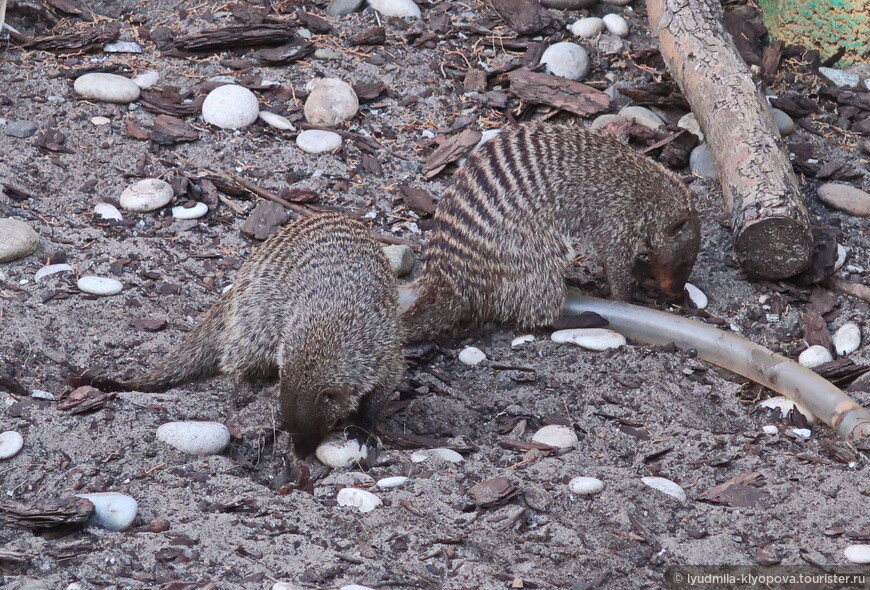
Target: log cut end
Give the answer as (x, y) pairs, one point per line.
(774, 247)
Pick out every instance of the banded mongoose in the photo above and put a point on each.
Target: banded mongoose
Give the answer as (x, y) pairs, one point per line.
(316, 306)
(501, 238)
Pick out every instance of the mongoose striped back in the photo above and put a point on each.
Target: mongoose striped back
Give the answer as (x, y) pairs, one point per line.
(502, 231)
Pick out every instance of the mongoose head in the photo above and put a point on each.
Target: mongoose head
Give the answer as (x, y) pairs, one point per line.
(310, 415)
(673, 248)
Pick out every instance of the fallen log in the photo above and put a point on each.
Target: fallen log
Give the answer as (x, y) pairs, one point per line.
(772, 237)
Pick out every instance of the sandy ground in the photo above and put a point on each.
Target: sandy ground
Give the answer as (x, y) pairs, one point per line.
(233, 520)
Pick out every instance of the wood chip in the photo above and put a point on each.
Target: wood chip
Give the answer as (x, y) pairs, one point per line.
(449, 150)
(418, 200)
(523, 16)
(87, 39)
(85, 399)
(235, 36)
(554, 91)
(168, 130)
(739, 491)
(296, 49)
(170, 101)
(42, 514)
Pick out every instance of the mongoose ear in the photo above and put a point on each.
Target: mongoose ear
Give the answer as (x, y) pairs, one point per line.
(677, 226)
(332, 393)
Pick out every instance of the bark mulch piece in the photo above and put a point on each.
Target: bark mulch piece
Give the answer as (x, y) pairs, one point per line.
(43, 514)
(168, 130)
(522, 16)
(450, 149)
(83, 40)
(561, 93)
(234, 36)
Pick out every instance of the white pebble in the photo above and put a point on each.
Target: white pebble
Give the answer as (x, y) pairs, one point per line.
(340, 453)
(107, 88)
(802, 432)
(785, 405)
(10, 443)
(108, 211)
(230, 107)
(284, 586)
(392, 482)
(100, 121)
(316, 141)
(587, 27)
(696, 296)
(566, 60)
(355, 587)
(471, 356)
(641, 116)
(114, 511)
(195, 212)
(42, 394)
(616, 25)
(194, 437)
(857, 553)
(814, 356)
(276, 121)
(401, 258)
(103, 286)
(520, 340)
(122, 47)
(448, 455)
(847, 339)
(332, 101)
(146, 195)
(585, 486)
(690, 124)
(17, 239)
(402, 8)
(147, 79)
(590, 338)
(360, 499)
(556, 435)
(770, 429)
(51, 269)
(841, 257)
(666, 486)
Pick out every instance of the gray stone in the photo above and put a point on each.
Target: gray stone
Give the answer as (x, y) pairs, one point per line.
(702, 164)
(784, 123)
(602, 120)
(616, 97)
(342, 7)
(401, 259)
(845, 198)
(21, 129)
(106, 88)
(332, 101)
(690, 124)
(400, 8)
(122, 47)
(609, 44)
(566, 60)
(860, 70)
(840, 78)
(326, 54)
(17, 239)
(641, 116)
(587, 27)
(230, 107)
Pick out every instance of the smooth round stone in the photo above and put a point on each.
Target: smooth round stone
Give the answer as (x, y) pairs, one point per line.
(10, 443)
(401, 259)
(814, 356)
(471, 356)
(21, 129)
(587, 27)
(340, 453)
(230, 107)
(355, 587)
(566, 60)
(114, 511)
(602, 120)
(100, 121)
(51, 269)
(448, 455)
(690, 124)
(332, 101)
(195, 212)
(557, 436)
(616, 25)
(146, 195)
(107, 88)
(666, 486)
(770, 429)
(784, 405)
(641, 116)
(316, 141)
(841, 257)
(597, 339)
(285, 586)
(17, 239)
(42, 394)
(342, 7)
(696, 296)
(585, 486)
(783, 122)
(194, 437)
(847, 339)
(520, 340)
(702, 164)
(392, 482)
(840, 78)
(108, 211)
(401, 8)
(360, 499)
(845, 198)
(103, 286)
(802, 432)
(147, 79)
(276, 121)
(857, 553)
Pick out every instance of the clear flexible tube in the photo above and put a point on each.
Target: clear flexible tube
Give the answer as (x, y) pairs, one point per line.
(734, 353)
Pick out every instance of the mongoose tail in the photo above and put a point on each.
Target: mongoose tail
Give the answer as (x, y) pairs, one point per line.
(195, 359)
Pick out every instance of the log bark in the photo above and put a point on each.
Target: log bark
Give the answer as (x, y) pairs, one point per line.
(772, 237)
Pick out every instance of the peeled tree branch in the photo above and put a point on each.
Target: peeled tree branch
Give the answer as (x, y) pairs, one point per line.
(772, 237)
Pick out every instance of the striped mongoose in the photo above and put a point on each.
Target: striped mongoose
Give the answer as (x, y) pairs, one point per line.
(316, 306)
(501, 238)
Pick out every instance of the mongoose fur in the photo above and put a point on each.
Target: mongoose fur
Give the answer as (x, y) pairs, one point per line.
(501, 237)
(316, 306)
